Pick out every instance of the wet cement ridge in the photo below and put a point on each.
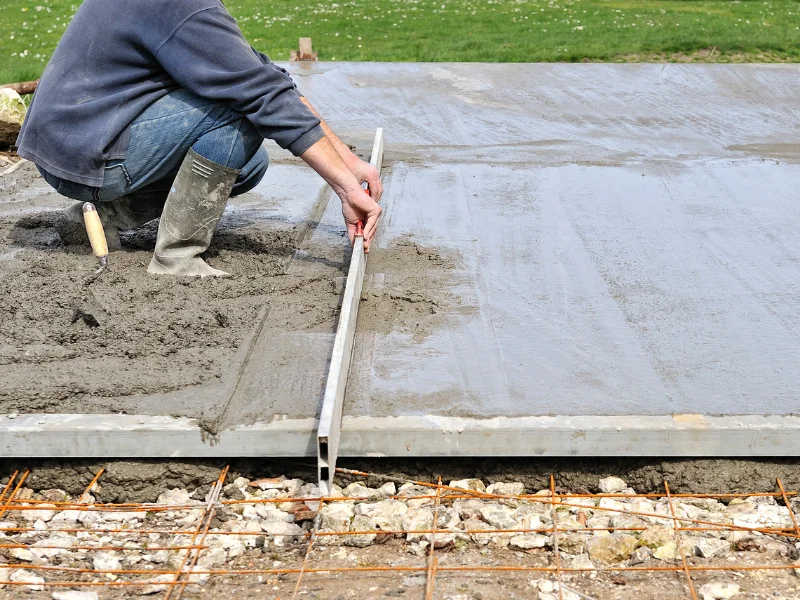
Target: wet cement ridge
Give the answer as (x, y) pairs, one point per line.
(210, 424)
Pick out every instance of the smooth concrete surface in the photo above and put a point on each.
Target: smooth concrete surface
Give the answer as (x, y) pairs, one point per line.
(628, 234)
(598, 290)
(625, 245)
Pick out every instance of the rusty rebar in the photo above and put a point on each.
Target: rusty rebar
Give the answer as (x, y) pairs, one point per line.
(678, 543)
(430, 579)
(555, 537)
(188, 567)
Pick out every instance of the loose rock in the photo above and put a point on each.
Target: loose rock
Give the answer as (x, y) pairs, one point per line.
(74, 595)
(212, 557)
(499, 516)
(528, 541)
(175, 497)
(358, 490)
(611, 549)
(711, 547)
(103, 561)
(283, 532)
(582, 561)
(157, 584)
(22, 554)
(387, 515)
(469, 484)
(469, 508)
(573, 543)
(670, 551)
(640, 555)
(44, 512)
(482, 539)
(416, 520)
(611, 485)
(361, 523)
(719, 591)
(12, 114)
(516, 488)
(22, 576)
(337, 516)
(656, 536)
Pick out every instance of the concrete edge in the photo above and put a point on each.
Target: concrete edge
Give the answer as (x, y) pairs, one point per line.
(138, 436)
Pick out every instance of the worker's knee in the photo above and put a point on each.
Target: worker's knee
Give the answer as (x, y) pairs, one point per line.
(252, 173)
(230, 145)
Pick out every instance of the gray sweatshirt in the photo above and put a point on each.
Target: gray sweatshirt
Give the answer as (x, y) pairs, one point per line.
(118, 57)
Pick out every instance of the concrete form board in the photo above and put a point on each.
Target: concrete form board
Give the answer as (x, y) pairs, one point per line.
(164, 437)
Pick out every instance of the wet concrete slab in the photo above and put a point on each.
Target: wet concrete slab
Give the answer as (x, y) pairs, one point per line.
(597, 290)
(625, 235)
(620, 241)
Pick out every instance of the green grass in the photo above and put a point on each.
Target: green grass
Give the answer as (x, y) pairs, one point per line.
(465, 30)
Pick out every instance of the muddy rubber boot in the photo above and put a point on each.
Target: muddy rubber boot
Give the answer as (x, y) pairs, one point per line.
(132, 211)
(72, 230)
(194, 207)
(128, 212)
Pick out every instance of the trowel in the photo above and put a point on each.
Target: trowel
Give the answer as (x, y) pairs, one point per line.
(86, 307)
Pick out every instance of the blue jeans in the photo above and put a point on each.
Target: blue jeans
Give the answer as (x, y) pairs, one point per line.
(160, 138)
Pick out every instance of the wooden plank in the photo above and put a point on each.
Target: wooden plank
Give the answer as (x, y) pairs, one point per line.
(26, 87)
(330, 420)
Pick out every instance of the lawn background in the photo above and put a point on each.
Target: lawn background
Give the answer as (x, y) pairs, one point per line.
(465, 30)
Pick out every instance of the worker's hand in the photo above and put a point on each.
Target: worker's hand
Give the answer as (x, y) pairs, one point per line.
(365, 172)
(357, 206)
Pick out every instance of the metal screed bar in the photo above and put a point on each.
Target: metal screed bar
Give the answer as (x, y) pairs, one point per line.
(330, 419)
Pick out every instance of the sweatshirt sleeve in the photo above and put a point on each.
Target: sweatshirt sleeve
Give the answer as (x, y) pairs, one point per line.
(208, 55)
(266, 61)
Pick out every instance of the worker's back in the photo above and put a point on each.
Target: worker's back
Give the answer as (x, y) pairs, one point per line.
(117, 58)
(102, 74)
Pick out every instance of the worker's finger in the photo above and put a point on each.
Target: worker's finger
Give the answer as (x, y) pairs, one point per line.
(372, 222)
(380, 190)
(375, 185)
(351, 232)
(371, 228)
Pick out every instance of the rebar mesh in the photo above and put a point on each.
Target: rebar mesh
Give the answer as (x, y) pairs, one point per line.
(59, 576)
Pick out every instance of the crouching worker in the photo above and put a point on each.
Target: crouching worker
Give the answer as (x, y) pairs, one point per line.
(152, 108)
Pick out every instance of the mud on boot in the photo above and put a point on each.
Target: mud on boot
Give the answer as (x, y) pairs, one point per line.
(194, 207)
(71, 229)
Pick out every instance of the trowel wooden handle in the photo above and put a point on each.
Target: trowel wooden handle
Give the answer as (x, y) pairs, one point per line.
(94, 228)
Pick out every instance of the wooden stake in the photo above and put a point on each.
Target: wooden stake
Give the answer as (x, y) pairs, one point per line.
(305, 52)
